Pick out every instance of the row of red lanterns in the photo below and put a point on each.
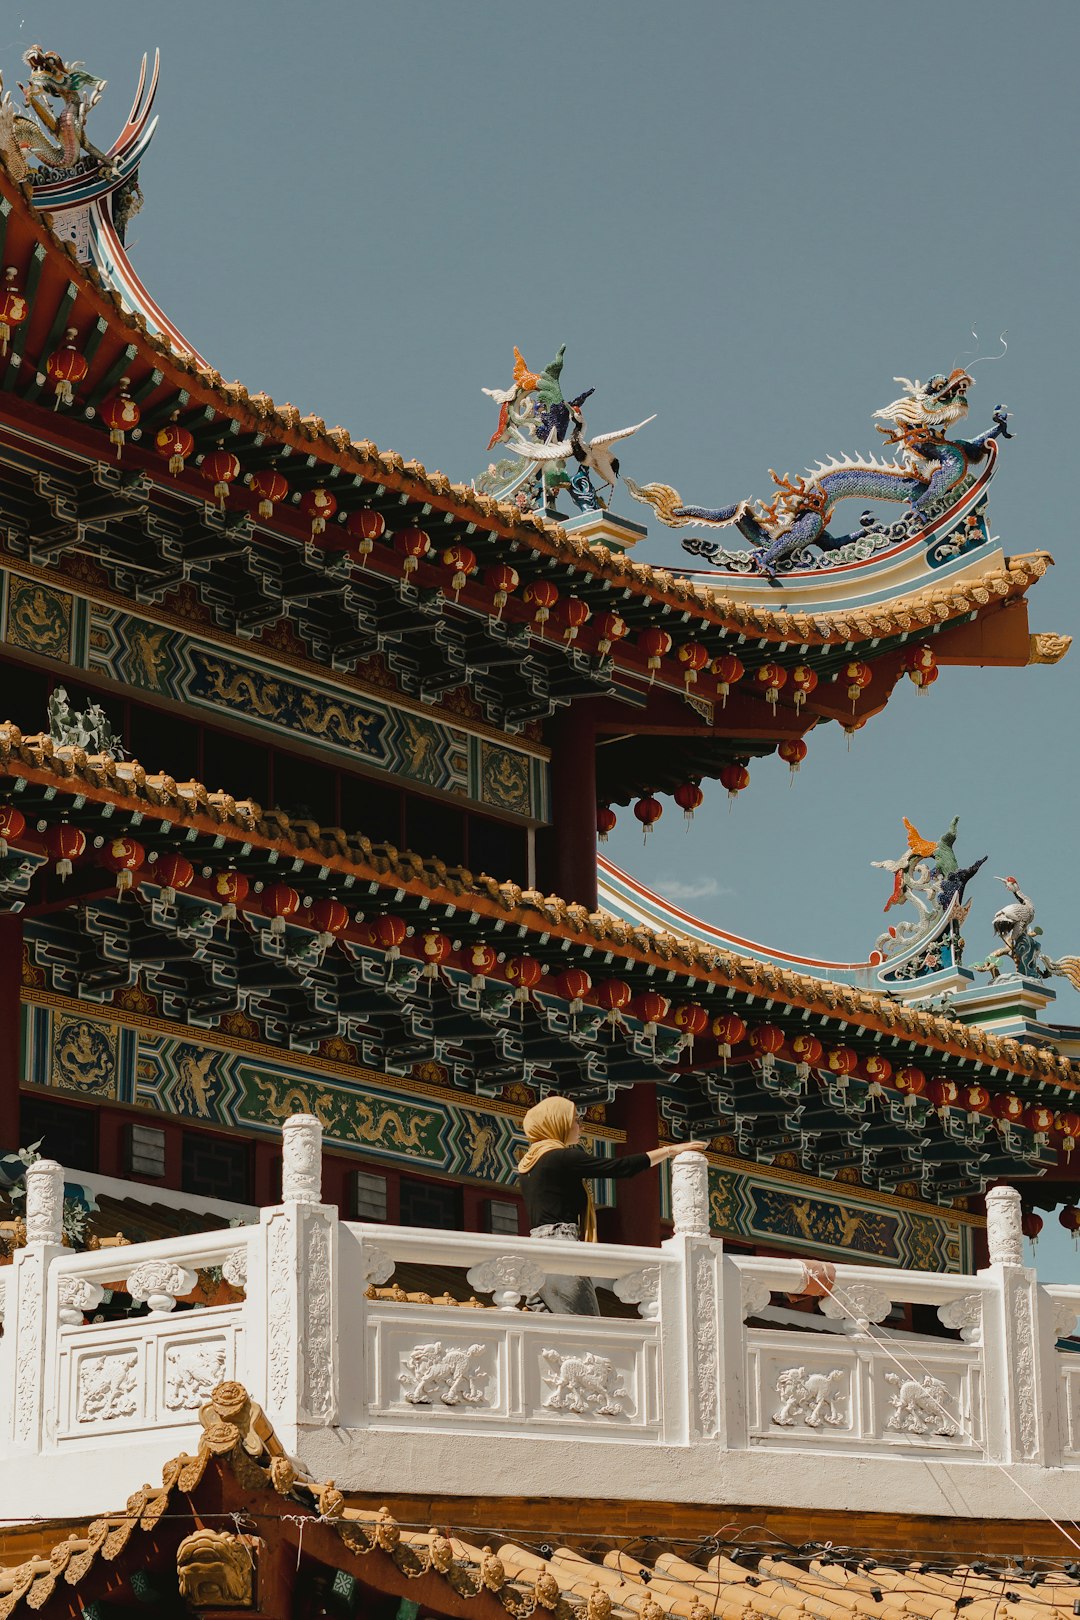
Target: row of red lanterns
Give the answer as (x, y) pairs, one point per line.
(688, 795)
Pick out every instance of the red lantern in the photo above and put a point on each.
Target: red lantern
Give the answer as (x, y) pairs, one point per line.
(693, 1020)
(221, 468)
(655, 644)
(524, 973)
(878, 1068)
(231, 888)
(412, 544)
(605, 821)
(911, 1083)
(435, 948)
(173, 871)
(574, 985)
(123, 856)
(858, 676)
(769, 678)
(279, 903)
(735, 777)
(1008, 1107)
(841, 1061)
(572, 614)
(921, 668)
(462, 562)
(976, 1099)
(481, 960)
(269, 487)
(792, 751)
(319, 505)
(503, 580)
(943, 1093)
(650, 1007)
(1031, 1225)
(120, 414)
(175, 442)
(613, 995)
(1039, 1119)
(541, 595)
(808, 1050)
(12, 823)
(364, 526)
(610, 627)
(804, 680)
(66, 368)
(728, 669)
(648, 810)
(766, 1039)
(331, 918)
(13, 307)
(1069, 1126)
(65, 844)
(693, 656)
(689, 797)
(729, 1030)
(389, 933)
(1070, 1220)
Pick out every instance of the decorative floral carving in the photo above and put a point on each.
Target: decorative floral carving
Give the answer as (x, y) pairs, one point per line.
(107, 1387)
(1022, 1340)
(964, 1314)
(279, 1351)
(44, 1202)
(507, 1278)
(216, 1569)
(1004, 1231)
(159, 1282)
(756, 1295)
(583, 1383)
(810, 1398)
(77, 1295)
(192, 1373)
(318, 1345)
(856, 1305)
(690, 1194)
(705, 1356)
(301, 1160)
(918, 1407)
(376, 1266)
(235, 1268)
(641, 1288)
(451, 1375)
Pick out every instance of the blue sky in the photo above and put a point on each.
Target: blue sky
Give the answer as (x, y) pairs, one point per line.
(746, 217)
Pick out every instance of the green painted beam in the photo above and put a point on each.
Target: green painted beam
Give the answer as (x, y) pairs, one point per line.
(119, 368)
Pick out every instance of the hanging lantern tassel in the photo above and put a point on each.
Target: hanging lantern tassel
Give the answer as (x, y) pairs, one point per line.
(120, 414)
(771, 678)
(364, 526)
(605, 822)
(735, 777)
(12, 823)
(792, 751)
(231, 887)
(436, 949)
(858, 677)
(13, 308)
(689, 797)
(729, 1030)
(65, 367)
(804, 681)
(503, 580)
(655, 644)
(648, 810)
(462, 561)
(1069, 1126)
(693, 656)
(728, 670)
(610, 628)
(1070, 1220)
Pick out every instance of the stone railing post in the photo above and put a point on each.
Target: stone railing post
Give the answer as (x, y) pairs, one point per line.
(692, 1313)
(1021, 1390)
(292, 1292)
(22, 1367)
(690, 1194)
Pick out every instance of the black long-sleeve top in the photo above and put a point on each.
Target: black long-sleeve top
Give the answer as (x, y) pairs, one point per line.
(554, 1189)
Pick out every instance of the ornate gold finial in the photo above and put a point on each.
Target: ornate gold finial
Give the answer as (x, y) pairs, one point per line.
(229, 1400)
(492, 1570)
(650, 1609)
(546, 1590)
(442, 1551)
(216, 1569)
(330, 1501)
(1047, 648)
(597, 1604)
(387, 1532)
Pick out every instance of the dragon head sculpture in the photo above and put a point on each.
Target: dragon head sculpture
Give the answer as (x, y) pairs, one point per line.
(932, 405)
(68, 82)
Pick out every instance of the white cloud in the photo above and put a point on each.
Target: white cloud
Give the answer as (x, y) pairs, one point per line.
(706, 888)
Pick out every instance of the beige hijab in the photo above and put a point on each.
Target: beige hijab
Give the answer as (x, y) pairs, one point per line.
(548, 1126)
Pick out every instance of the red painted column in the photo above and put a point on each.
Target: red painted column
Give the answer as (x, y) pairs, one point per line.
(637, 1214)
(11, 943)
(566, 851)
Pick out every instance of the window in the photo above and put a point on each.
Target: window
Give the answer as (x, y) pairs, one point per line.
(144, 1151)
(67, 1134)
(215, 1168)
(501, 1216)
(368, 1201)
(430, 1203)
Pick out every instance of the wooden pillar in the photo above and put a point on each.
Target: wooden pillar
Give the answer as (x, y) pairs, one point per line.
(566, 851)
(11, 943)
(638, 1210)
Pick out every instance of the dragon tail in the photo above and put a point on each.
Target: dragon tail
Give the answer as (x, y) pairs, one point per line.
(1069, 968)
(664, 500)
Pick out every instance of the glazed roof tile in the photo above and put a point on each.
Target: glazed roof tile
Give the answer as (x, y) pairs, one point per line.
(69, 771)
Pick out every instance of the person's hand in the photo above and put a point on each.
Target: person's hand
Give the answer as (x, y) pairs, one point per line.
(691, 1147)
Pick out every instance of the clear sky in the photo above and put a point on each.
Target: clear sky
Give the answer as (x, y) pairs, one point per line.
(747, 216)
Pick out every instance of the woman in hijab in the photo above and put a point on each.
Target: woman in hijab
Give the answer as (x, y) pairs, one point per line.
(554, 1173)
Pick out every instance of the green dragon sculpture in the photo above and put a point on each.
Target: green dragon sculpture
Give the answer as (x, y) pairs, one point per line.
(57, 139)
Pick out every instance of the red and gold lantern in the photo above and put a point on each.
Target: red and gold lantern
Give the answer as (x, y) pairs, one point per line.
(480, 959)
(808, 1050)
(858, 676)
(911, 1083)
(173, 871)
(1008, 1108)
(692, 1018)
(655, 644)
(975, 1099)
(735, 777)
(920, 666)
(804, 680)
(1068, 1125)
(13, 308)
(693, 657)
(648, 811)
(729, 1030)
(231, 888)
(331, 917)
(412, 544)
(605, 821)
(610, 628)
(879, 1069)
(176, 443)
(943, 1093)
(504, 581)
(524, 973)
(613, 995)
(269, 487)
(319, 505)
(435, 948)
(1070, 1220)
(221, 468)
(280, 902)
(728, 670)
(842, 1061)
(65, 844)
(12, 825)
(792, 751)
(770, 679)
(541, 595)
(123, 856)
(689, 797)
(572, 614)
(766, 1039)
(66, 368)
(461, 562)
(364, 526)
(1031, 1224)
(650, 1007)
(120, 414)
(574, 984)
(1039, 1119)
(388, 933)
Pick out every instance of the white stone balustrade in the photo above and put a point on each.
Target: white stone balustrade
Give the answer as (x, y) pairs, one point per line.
(706, 1394)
